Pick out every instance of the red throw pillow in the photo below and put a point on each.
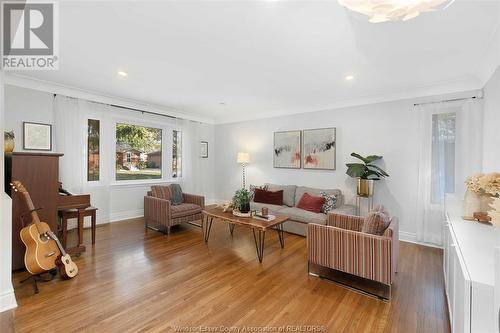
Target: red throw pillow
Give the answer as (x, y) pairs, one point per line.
(311, 203)
(268, 197)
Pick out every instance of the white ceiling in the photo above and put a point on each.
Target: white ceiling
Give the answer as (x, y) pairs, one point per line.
(265, 58)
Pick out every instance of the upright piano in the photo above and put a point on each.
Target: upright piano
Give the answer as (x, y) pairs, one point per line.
(39, 173)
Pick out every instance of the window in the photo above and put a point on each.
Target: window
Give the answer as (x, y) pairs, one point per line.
(93, 150)
(177, 154)
(138, 152)
(443, 156)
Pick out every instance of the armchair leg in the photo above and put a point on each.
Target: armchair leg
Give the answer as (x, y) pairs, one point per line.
(168, 231)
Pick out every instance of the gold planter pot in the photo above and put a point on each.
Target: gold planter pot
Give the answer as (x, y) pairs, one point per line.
(365, 187)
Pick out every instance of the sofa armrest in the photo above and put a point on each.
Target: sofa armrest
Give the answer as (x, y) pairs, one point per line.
(345, 209)
(157, 210)
(194, 199)
(365, 255)
(393, 232)
(343, 221)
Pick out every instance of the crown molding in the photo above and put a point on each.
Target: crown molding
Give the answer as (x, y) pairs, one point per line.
(94, 96)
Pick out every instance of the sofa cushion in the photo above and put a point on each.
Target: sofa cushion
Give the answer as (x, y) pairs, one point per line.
(161, 191)
(252, 190)
(311, 203)
(299, 192)
(273, 209)
(304, 216)
(185, 209)
(288, 193)
(269, 197)
(330, 202)
(375, 223)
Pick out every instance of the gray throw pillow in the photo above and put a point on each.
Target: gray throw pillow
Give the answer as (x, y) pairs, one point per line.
(176, 198)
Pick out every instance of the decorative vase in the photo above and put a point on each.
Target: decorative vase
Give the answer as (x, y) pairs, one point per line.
(365, 187)
(472, 204)
(8, 142)
(486, 201)
(245, 207)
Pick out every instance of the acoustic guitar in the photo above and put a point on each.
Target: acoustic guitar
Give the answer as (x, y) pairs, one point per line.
(67, 268)
(41, 250)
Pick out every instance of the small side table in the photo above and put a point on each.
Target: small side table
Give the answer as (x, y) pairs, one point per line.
(358, 203)
(79, 214)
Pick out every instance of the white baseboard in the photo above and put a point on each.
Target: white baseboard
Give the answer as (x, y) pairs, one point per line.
(125, 215)
(411, 237)
(7, 300)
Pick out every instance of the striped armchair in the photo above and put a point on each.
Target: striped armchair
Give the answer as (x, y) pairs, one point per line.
(161, 215)
(340, 246)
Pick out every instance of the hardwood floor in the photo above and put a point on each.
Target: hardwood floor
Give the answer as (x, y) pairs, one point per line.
(133, 280)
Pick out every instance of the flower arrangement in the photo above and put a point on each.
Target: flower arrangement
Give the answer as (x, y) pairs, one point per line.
(490, 183)
(484, 183)
(472, 182)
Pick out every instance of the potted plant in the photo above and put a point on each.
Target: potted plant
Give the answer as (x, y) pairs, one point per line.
(241, 200)
(366, 173)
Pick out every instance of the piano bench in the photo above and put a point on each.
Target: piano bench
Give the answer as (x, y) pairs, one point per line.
(66, 214)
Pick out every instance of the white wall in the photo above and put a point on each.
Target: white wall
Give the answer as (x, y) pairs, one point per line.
(125, 201)
(7, 298)
(26, 105)
(491, 136)
(388, 129)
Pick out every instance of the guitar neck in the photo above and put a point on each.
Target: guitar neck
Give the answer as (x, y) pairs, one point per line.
(34, 215)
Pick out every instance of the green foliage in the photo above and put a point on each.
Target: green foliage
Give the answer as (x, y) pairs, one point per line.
(142, 165)
(241, 197)
(366, 170)
(145, 139)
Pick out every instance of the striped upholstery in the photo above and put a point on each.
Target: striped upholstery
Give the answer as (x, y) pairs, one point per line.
(194, 199)
(368, 256)
(161, 212)
(184, 209)
(157, 211)
(349, 222)
(162, 192)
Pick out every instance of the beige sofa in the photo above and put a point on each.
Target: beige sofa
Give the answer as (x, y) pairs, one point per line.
(299, 218)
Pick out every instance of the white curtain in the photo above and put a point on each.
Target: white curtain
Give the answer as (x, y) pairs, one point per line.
(70, 122)
(191, 161)
(70, 127)
(434, 160)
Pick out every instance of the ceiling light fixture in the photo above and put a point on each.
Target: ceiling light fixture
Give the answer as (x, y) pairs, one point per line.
(349, 77)
(123, 73)
(222, 103)
(393, 10)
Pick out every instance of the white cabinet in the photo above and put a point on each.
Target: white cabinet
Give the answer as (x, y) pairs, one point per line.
(468, 267)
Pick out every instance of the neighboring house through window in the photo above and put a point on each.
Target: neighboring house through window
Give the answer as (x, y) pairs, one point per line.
(138, 152)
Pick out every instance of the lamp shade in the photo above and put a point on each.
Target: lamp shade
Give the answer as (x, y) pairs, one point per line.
(243, 158)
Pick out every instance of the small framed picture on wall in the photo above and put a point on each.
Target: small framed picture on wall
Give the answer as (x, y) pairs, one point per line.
(204, 149)
(37, 136)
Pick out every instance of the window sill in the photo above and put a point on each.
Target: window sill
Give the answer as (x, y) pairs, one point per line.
(138, 183)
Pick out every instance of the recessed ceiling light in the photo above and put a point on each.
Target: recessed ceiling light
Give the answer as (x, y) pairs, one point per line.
(123, 73)
(222, 103)
(349, 77)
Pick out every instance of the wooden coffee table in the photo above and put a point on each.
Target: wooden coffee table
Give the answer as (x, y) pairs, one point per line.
(259, 227)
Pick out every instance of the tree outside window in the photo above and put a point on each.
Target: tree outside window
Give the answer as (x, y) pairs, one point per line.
(138, 152)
